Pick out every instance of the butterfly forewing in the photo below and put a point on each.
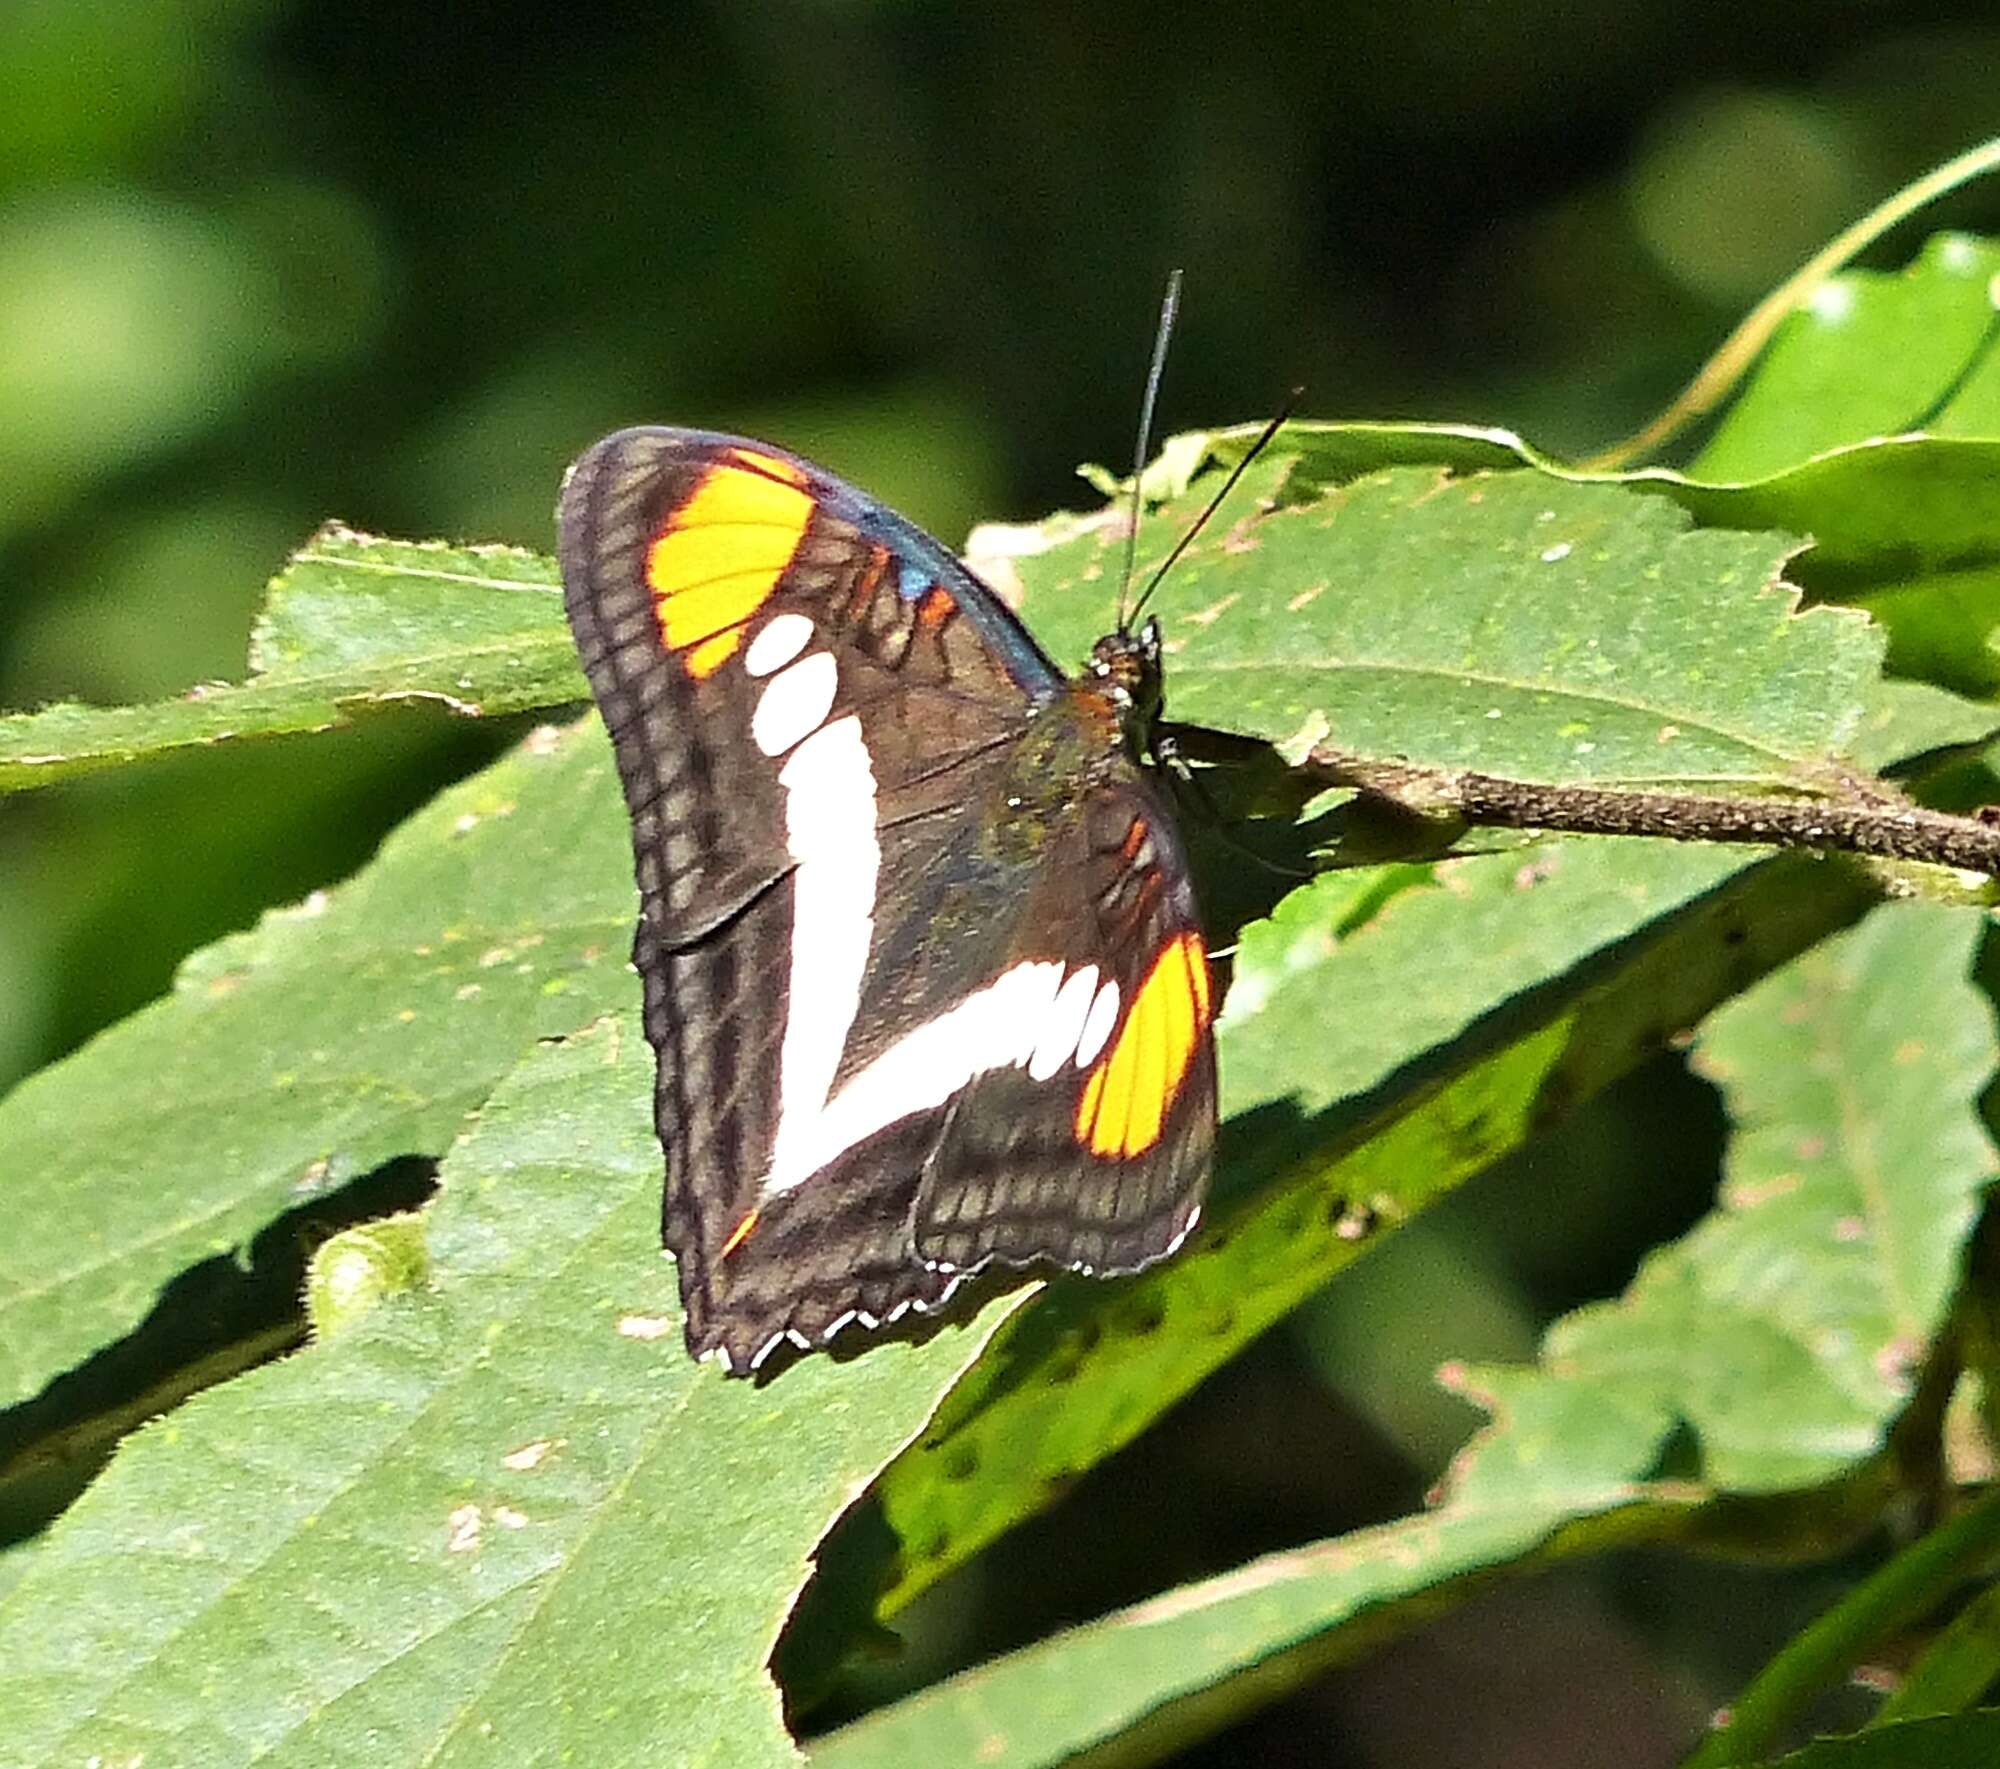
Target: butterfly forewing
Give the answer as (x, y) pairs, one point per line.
(889, 862)
(700, 574)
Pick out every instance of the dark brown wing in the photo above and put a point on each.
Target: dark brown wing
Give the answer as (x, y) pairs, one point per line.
(790, 675)
(680, 549)
(1100, 1164)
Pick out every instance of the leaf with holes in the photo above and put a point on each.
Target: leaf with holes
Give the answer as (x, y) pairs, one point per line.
(1786, 1330)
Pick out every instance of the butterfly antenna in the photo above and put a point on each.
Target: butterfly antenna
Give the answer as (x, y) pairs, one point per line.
(1169, 306)
(1215, 503)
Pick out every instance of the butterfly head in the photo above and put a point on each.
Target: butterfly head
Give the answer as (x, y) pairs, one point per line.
(1125, 666)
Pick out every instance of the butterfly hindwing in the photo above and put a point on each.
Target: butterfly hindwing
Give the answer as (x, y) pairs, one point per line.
(918, 946)
(1110, 1178)
(1084, 1142)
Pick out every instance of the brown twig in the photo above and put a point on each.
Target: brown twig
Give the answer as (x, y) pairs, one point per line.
(1854, 819)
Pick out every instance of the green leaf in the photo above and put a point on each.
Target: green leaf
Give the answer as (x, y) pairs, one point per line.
(1955, 1667)
(1786, 1329)
(1944, 628)
(1783, 1331)
(1876, 355)
(353, 622)
(502, 1513)
(1871, 354)
(359, 1026)
(1175, 1668)
(1343, 1125)
(1164, 1674)
(1875, 510)
(1964, 1741)
(1817, 445)
(1905, 720)
(1506, 621)
(1867, 1620)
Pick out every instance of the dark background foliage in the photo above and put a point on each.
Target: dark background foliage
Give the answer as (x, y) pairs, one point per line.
(265, 263)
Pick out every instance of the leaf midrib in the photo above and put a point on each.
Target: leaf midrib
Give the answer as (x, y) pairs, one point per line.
(387, 568)
(1482, 679)
(342, 687)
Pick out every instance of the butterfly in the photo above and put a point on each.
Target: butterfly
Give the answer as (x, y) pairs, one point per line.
(921, 959)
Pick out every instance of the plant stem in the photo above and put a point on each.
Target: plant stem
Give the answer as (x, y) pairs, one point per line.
(1733, 358)
(1955, 1668)
(1854, 819)
(1878, 1608)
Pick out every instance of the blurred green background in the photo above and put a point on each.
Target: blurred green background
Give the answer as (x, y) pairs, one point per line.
(265, 263)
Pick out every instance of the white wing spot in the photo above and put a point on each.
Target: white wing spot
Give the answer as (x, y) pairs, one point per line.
(992, 1028)
(795, 704)
(1064, 1025)
(830, 831)
(780, 640)
(1097, 1028)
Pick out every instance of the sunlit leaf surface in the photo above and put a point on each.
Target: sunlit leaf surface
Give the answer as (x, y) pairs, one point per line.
(500, 1515)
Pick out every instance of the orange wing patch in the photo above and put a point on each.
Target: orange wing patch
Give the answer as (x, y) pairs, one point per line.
(740, 1233)
(1128, 1095)
(722, 554)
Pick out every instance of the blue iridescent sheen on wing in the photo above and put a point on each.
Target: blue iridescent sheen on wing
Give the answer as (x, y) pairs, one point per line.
(922, 563)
